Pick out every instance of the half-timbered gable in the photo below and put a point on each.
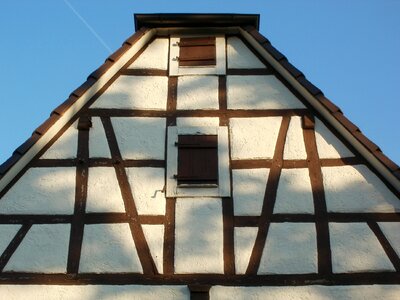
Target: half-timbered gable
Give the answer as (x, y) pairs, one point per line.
(197, 162)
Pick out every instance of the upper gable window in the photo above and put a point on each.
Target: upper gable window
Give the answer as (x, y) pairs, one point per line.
(197, 52)
(197, 55)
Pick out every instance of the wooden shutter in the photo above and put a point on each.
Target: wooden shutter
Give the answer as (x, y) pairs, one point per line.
(197, 160)
(197, 52)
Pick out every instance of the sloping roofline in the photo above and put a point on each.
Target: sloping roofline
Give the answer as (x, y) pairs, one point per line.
(247, 24)
(196, 20)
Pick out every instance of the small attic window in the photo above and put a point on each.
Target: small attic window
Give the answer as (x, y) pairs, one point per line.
(197, 160)
(199, 52)
(197, 55)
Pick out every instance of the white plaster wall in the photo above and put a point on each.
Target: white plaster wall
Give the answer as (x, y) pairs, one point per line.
(94, 292)
(259, 92)
(41, 191)
(154, 235)
(135, 92)
(355, 248)
(43, 250)
(104, 194)
(66, 146)
(253, 138)
(248, 191)
(244, 239)
(197, 122)
(98, 145)
(310, 292)
(197, 92)
(199, 236)
(108, 248)
(294, 193)
(239, 56)
(147, 186)
(357, 189)
(140, 138)
(294, 144)
(291, 248)
(392, 232)
(328, 145)
(155, 56)
(7, 233)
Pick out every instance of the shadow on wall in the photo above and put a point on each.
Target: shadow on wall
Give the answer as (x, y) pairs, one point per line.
(340, 187)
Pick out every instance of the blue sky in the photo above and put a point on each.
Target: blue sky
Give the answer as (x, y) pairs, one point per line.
(349, 49)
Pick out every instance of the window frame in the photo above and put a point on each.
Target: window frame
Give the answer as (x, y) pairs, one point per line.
(223, 187)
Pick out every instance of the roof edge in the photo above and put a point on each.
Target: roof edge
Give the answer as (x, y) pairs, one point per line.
(195, 20)
(331, 108)
(60, 110)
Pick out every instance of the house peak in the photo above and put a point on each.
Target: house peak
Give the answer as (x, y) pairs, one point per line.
(195, 20)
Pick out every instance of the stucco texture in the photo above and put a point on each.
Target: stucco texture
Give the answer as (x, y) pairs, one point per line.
(42, 191)
(253, 138)
(291, 248)
(248, 191)
(108, 248)
(355, 248)
(155, 56)
(199, 236)
(197, 92)
(357, 189)
(140, 138)
(259, 92)
(135, 92)
(43, 250)
(241, 57)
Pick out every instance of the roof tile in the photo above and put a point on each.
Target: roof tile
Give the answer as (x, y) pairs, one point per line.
(291, 69)
(101, 70)
(328, 103)
(350, 126)
(397, 173)
(136, 36)
(9, 163)
(256, 34)
(309, 86)
(84, 87)
(25, 146)
(273, 51)
(117, 54)
(391, 165)
(47, 124)
(60, 110)
(366, 141)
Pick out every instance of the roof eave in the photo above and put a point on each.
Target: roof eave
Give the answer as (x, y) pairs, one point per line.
(369, 150)
(196, 20)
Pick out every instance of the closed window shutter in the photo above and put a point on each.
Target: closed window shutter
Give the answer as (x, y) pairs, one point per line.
(197, 159)
(197, 52)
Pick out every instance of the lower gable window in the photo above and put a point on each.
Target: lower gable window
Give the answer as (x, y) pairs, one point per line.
(197, 160)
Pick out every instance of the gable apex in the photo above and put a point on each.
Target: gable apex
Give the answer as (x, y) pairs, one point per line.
(196, 20)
